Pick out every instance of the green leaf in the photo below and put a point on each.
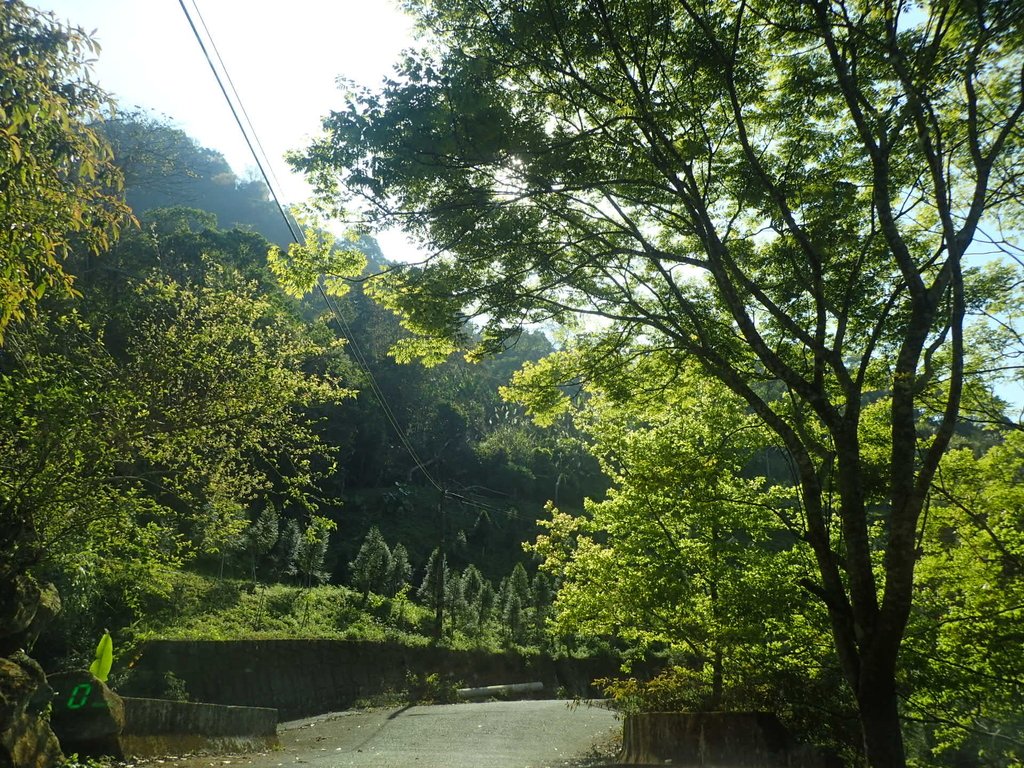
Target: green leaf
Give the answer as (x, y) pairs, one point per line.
(100, 667)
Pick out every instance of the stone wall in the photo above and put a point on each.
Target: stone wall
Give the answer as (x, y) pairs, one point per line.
(306, 677)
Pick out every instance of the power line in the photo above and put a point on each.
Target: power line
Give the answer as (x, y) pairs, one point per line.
(237, 108)
(235, 111)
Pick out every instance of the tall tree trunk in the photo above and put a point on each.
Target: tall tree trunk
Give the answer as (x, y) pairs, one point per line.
(877, 704)
(717, 680)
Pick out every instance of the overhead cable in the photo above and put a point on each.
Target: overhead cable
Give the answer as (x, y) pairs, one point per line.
(235, 104)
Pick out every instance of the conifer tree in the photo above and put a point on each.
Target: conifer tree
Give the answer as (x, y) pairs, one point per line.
(519, 585)
(312, 550)
(260, 537)
(287, 548)
(474, 588)
(371, 569)
(435, 573)
(400, 571)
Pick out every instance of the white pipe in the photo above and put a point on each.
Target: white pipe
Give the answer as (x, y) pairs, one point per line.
(499, 690)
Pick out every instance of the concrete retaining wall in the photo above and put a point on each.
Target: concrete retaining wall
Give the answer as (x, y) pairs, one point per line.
(306, 677)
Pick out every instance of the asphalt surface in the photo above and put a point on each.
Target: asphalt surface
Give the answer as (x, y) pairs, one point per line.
(503, 734)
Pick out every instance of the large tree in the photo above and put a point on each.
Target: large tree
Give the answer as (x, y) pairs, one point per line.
(783, 190)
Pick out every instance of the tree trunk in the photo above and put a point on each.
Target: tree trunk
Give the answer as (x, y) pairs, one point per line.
(717, 681)
(880, 723)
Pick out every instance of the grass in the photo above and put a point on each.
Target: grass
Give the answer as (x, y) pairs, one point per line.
(212, 609)
(199, 607)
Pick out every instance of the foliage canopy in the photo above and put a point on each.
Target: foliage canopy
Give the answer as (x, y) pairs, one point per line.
(59, 184)
(783, 190)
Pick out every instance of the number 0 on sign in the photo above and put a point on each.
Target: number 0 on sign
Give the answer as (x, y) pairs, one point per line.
(79, 696)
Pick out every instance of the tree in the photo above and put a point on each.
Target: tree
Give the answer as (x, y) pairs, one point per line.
(454, 600)
(782, 190)
(963, 643)
(435, 575)
(474, 593)
(519, 585)
(139, 424)
(163, 166)
(513, 619)
(286, 551)
(260, 537)
(400, 571)
(59, 185)
(690, 554)
(372, 568)
(311, 552)
(513, 600)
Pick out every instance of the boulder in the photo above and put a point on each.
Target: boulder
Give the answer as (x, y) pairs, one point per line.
(26, 740)
(87, 716)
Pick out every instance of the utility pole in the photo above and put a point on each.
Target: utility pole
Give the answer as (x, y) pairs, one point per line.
(439, 575)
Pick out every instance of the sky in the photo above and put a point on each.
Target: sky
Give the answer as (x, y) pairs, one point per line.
(283, 58)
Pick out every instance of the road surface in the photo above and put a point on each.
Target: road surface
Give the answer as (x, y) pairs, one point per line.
(504, 734)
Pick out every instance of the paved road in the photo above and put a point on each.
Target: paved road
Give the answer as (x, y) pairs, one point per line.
(507, 734)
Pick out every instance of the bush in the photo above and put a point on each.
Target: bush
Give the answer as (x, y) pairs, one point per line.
(677, 689)
(431, 689)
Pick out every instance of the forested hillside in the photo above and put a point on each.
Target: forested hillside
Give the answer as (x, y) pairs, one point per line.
(708, 360)
(257, 436)
(480, 448)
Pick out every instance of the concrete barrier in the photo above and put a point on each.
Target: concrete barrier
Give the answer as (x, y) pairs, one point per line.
(716, 739)
(91, 720)
(161, 727)
(86, 716)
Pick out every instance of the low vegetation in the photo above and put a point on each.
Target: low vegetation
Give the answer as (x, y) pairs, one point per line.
(197, 607)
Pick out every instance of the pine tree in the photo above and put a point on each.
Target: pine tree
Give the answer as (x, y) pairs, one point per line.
(519, 585)
(543, 595)
(435, 574)
(312, 550)
(514, 599)
(473, 591)
(287, 549)
(260, 537)
(488, 600)
(400, 571)
(371, 569)
(513, 619)
(455, 601)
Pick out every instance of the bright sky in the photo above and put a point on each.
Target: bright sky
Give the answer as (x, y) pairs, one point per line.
(283, 58)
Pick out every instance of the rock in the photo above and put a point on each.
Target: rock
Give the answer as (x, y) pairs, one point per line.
(48, 606)
(87, 716)
(26, 740)
(19, 601)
